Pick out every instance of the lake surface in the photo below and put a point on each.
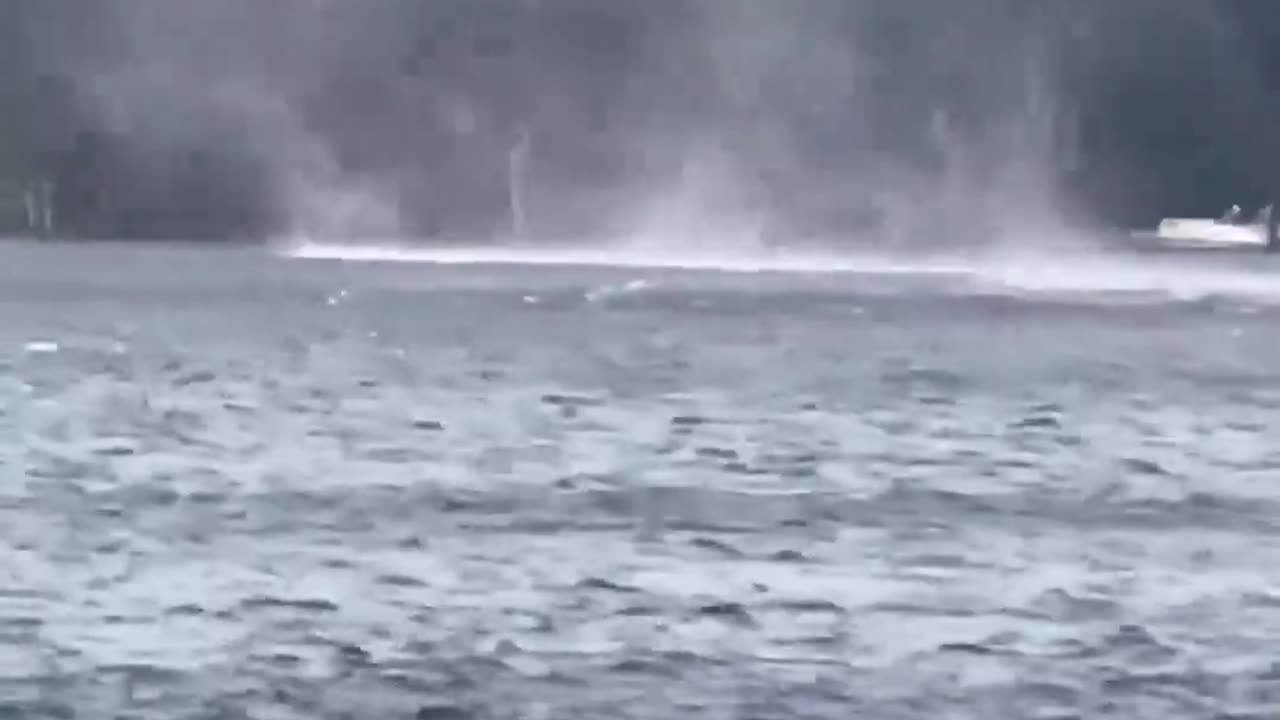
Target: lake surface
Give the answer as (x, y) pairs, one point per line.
(239, 485)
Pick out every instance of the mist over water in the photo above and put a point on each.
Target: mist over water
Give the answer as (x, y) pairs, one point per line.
(818, 135)
(729, 128)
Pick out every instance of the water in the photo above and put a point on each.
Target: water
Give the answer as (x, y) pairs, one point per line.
(247, 486)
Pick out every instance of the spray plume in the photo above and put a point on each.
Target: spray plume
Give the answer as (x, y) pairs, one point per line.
(725, 127)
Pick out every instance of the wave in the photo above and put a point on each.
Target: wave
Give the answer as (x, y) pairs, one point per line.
(629, 258)
(1057, 273)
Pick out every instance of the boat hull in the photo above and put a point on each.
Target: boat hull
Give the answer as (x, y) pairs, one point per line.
(1197, 235)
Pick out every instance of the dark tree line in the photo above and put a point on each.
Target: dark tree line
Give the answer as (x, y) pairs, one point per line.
(237, 118)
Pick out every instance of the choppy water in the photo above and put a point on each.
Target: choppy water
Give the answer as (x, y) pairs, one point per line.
(241, 486)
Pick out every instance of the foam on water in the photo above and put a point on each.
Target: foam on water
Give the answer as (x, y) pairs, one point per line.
(778, 262)
(1188, 277)
(1057, 274)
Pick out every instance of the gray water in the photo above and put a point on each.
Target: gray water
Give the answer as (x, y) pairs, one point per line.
(244, 486)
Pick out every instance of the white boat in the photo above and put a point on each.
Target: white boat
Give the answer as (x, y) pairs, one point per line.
(1229, 232)
(1202, 232)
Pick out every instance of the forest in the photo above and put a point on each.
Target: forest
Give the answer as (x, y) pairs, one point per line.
(233, 120)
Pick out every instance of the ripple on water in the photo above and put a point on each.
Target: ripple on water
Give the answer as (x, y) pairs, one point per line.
(660, 504)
